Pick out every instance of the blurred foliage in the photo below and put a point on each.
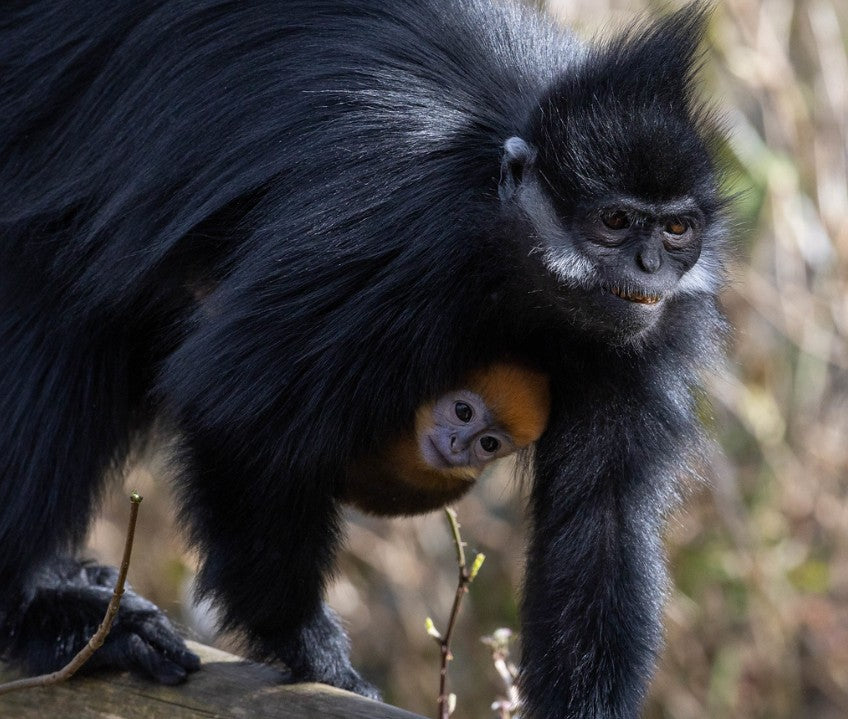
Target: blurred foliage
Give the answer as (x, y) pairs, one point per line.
(757, 621)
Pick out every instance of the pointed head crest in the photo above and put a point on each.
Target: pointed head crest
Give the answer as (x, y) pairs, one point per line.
(624, 120)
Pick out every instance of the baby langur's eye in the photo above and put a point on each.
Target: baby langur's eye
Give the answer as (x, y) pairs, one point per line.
(490, 444)
(616, 219)
(676, 227)
(463, 411)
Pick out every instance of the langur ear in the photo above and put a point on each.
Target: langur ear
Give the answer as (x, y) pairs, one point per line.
(518, 155)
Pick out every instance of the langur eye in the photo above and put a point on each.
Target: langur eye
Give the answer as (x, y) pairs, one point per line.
(463, 412)
(490, 444)
(676, 227)
(616, 220)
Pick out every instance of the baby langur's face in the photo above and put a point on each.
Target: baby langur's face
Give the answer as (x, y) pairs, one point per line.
(463, 433)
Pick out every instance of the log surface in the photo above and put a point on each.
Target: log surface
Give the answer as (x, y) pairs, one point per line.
(226, 686)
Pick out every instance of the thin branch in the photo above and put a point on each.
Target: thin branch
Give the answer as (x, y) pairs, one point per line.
(100, 635)
(458, 544)
(466, 576)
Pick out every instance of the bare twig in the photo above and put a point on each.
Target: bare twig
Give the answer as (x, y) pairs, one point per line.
(446, 701)
(100, 635)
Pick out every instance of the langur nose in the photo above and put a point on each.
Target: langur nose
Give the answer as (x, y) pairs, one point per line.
(458, 443)
(649, 259)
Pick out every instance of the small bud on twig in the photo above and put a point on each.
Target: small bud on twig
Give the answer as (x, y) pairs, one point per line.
(475, 566)
(431, 629)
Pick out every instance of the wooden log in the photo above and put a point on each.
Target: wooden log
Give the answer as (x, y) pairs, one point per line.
(226, 686)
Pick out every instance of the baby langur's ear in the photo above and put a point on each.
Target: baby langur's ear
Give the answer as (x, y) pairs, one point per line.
(518, 155)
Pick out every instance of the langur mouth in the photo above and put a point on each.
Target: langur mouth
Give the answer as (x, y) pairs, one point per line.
(631, 296)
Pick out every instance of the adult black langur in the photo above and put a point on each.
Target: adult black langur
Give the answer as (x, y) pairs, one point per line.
(281, 227)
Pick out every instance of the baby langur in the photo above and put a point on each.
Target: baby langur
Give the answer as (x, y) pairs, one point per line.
(501, 409)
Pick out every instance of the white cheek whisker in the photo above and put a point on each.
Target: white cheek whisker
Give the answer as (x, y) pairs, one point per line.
(704, 277)
(569, 267)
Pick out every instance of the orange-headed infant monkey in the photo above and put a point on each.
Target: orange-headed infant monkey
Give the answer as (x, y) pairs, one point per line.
(499, 410)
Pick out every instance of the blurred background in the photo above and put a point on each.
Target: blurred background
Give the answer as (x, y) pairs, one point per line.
(757, 621)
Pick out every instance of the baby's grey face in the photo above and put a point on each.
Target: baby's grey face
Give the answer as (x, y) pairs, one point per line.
(464, 433)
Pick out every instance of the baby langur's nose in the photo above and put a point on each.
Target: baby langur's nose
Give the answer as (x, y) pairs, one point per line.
(460, 441)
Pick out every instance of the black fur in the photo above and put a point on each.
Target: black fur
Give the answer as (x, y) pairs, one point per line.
(282, 226)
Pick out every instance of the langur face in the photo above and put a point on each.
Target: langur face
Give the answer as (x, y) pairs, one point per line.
(463, 433)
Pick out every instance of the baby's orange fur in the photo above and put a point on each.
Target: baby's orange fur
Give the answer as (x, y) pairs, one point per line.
(518, 396)
(401, 482)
